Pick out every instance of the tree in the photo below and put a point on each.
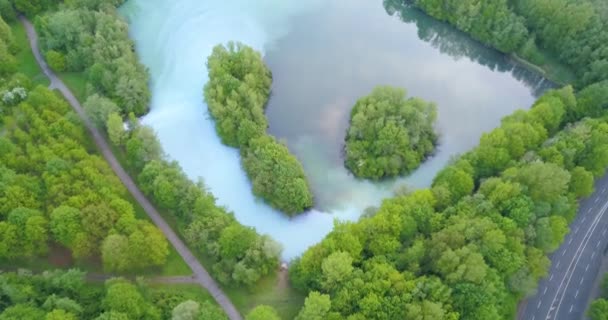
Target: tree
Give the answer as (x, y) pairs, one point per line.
(187, 310)
(116, 129)
(99, 108)
(316, 307)
(276, 175)
(20, 312)
(59, 314)
(56, 60)
(389, 135)
(582, 182)
(262, 312)
(115, 253)
(598, 310)
(337, 267)
(125, 298)
(66, 224)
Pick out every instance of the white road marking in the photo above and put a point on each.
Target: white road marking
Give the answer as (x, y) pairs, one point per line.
(545, 291)
(575, 230)
(583, 278)
(593, 255)
(589, 210)
(538, 305)
(576, 294)
(570, 241)
(598, 243)
(551, 278)
(584, 218)
(563, 252)
(587, 267)
(575, 260)
(571, 307)
(558, 263)
(596, 200)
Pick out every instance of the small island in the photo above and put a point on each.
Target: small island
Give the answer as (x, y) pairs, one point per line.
(389, 134)
(236, 95)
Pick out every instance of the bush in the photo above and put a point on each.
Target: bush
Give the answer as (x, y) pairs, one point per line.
(56, 60)
(389, 135)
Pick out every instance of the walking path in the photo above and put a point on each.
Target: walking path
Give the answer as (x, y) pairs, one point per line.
(201, 275)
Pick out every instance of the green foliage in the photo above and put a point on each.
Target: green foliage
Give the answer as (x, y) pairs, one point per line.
(52, 188)
(316, 307)
(241, 256)
(8, 63)
(91, 37)
(7, 13)
(474, 244)
(99, 109)
(389, 135)
(598, 310)
(574, 30)
(491, 22)
(115, 129)
(56, 60)
(276, 175)
(32, 7)
(236, 94)
(262, 312)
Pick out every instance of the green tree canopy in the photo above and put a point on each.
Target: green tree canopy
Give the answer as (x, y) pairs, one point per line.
(389, 135)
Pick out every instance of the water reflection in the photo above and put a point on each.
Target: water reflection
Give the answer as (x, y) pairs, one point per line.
(446, 39)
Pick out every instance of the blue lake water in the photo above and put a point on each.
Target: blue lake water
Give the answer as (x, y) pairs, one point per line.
(324, 55)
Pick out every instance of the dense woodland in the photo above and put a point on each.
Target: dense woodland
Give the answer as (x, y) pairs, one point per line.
(236, 255)
(65, 295)
(477, 241)
(236, 95)
(573, 31)
(54, 189)
(468, 248)
(89, 36)
(389, 135)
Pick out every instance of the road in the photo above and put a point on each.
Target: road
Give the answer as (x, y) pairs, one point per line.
(564, 293)
(201, 275)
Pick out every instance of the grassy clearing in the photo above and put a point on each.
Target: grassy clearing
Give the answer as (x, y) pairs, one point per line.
(25, 57)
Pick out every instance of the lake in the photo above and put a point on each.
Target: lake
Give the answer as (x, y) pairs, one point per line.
(324, 55)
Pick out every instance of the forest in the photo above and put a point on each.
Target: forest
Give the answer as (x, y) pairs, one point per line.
(55, 191)
(574, 32)
(469, 247)
(67, 295)
(236, 95)
(476, 242)
(389, 135)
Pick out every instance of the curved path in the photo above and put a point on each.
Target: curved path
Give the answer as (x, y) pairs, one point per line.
(565, 292)
(201, 275)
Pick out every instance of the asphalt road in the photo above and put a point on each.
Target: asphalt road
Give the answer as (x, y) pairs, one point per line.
(201, 275)
(564, 293)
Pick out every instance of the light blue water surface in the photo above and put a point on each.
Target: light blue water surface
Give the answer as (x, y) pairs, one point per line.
(324, 55)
